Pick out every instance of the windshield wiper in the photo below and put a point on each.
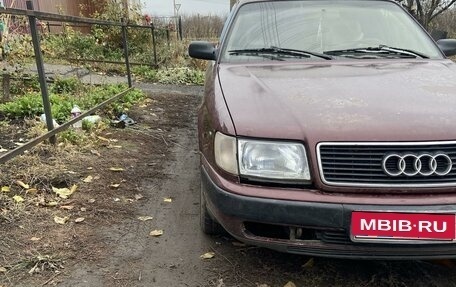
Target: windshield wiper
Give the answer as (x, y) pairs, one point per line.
(380, 50)
(279, 51)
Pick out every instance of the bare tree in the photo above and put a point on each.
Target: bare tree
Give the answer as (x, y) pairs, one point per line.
(232, 2)
(426, 10)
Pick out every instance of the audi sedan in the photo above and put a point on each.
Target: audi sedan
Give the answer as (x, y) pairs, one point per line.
(328, 128)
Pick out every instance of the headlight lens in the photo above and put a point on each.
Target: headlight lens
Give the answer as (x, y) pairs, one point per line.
(273, 160)
(225, 152)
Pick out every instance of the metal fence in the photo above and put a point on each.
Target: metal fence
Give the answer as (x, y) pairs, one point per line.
(33, 18)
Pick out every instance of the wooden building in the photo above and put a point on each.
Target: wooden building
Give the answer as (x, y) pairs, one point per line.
(84, 8)
(67, 7)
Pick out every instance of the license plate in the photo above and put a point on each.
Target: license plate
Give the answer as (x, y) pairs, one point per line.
(406, 227)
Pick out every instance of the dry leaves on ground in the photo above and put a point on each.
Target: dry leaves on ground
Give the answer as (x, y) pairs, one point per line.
(145, 218)
(156, 233)
(208, 255)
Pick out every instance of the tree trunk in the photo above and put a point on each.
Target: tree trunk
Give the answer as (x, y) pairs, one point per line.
(232, 2)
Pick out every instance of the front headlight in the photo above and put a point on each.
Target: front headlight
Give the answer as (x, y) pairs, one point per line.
(273, 160)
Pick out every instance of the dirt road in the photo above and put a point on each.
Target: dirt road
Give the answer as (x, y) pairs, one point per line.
(163, 160)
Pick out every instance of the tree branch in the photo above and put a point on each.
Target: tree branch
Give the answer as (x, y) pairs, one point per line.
(443, 9)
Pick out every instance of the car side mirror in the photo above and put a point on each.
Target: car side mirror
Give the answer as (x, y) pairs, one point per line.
(202, 50)
(448, 46)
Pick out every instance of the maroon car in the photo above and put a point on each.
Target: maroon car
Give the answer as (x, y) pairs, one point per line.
(328, 128)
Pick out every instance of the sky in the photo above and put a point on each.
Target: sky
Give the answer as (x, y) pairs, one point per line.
(203, 7)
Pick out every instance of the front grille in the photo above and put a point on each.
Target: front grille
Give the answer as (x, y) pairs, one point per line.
(360, 164)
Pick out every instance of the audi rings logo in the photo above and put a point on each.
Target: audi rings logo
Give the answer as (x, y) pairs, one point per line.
(413, 164)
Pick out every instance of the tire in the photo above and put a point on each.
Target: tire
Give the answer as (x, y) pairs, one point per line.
(208, 224)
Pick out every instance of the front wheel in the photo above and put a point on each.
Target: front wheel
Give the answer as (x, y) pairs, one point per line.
(208, 224)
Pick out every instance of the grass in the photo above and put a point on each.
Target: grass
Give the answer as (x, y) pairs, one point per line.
(65, 93)
(37, 264)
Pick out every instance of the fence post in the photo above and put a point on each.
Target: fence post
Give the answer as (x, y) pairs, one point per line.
(125, 46)
(6, 86)
(41, 73)
(167, 36)
(180, 27)
(153, 43)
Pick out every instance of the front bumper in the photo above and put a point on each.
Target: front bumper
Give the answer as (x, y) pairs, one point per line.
(325, 226)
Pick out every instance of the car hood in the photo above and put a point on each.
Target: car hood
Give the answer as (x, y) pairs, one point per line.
(343, 101)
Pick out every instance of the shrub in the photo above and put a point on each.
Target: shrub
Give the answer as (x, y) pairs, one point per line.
(180, 76)
(31, 105)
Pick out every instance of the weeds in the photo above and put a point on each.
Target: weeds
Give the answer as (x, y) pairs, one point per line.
(180, 76)
(70, 92)
(38, 264)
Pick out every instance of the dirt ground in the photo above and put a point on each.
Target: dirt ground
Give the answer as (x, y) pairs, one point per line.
(160, 179)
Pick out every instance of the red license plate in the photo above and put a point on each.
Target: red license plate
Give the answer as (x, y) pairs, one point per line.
(387, 226)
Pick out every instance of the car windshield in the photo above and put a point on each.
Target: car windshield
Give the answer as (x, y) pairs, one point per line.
(264, 31)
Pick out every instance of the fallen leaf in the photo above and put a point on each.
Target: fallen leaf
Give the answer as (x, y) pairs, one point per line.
(103, 139)
(290, 284)
(52, 203)
(116, 169)
(67, 207)
(156, 233)
(18, 198)
(95, 152)
(167, 199)
(145, 218)
(83, 209)
(2, 270)
(309, 264)
(65, 192)
(31, 190)
(22, 184)
(79, 219)
(5, 189)
(115, 185)
(208, 255)
(139, 196)
(92, 200)
(116, 199)
(88, 179)
(89, 168)
(61, 220)
(35, 239)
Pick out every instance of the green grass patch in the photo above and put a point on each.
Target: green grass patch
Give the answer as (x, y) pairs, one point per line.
(68, 92)
(171, 76)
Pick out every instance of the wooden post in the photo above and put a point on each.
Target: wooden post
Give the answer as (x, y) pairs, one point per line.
(6, 86)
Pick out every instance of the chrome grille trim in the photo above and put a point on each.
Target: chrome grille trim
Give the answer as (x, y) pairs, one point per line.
(376, 148)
